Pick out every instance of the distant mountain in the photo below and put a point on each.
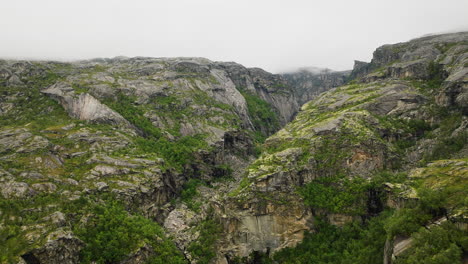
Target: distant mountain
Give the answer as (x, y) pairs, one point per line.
(309, 82)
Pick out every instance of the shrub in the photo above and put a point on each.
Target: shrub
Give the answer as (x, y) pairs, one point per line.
(354, 243)
(262, 115)
(336, 194)
(438, 245)
(204, 247)
(112, 233)
(189, 192)
(406, 221)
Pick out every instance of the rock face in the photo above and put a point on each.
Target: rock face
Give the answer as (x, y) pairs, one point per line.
(256, 225)
(440, 56)
(60, 248)
(272, 88)
(84, 106)
(21, 141)
(410, 59)
(354, 130)
(308, 83)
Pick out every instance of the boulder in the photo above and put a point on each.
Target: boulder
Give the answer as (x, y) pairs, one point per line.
(62, 247)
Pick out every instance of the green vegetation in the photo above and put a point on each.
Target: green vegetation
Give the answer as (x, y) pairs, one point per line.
(125, 106)
(262, 115)
(32, 107)
(447, 146)
(364, 242)
(13, 242)
(448, 143)
(405, 131)
(175, 153)
(310, 145)
(444, 47)
(192, 106)
(20, 218)
(112, 233)
(336, 194)
(440, 244)
(406, 221)
(353, 243)
(436, 74)
(189, 192)
(204, 247)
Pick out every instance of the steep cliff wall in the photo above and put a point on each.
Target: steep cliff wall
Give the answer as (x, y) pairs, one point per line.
(309, 83)
(328, 162)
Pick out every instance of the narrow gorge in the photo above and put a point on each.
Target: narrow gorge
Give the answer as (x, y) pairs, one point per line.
(187, 160)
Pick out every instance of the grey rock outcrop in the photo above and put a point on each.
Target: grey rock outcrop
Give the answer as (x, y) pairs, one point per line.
(410, 59)
(309, 83)
(344, 131)
(270, 87)
(263, 226)
(61, 248)
(21, 141)
(84, 106)
(14, 189)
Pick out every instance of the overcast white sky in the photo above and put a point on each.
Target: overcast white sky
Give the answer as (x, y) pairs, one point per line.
(271, 34)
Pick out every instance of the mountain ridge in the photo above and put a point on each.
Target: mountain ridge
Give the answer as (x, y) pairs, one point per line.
(188, 160)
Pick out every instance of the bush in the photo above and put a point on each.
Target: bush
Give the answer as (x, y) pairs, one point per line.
(354, 243)
(436, 74)
(406, 221)
(438, 245)
(336, 194)
(189, 192)
(111, 234)
(262, 115)
(204, 247)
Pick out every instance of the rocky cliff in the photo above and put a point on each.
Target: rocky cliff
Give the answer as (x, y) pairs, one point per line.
(308, 83)
(151, 160)
(328, 162)
(134, 129)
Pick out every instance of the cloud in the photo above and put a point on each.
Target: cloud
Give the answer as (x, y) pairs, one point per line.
(274, 35)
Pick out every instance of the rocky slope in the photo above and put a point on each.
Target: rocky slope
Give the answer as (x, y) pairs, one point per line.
(136, 129)
(404, 109)
(150, 160)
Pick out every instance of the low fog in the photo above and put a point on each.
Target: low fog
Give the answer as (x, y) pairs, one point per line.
(275, 35)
